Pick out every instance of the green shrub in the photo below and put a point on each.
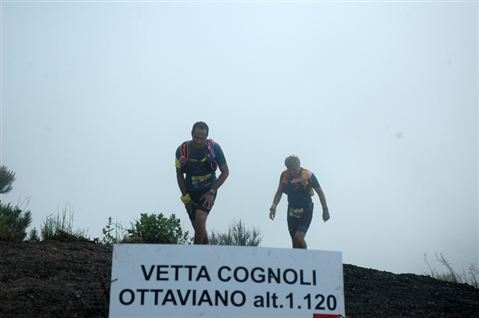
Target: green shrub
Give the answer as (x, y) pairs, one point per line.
(61, 228)
(237, 235)
(113, 233)
(33, 235)
(158, 229)
(13, 222)
(6, 179)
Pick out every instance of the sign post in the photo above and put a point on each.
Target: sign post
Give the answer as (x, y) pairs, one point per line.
(156, 280)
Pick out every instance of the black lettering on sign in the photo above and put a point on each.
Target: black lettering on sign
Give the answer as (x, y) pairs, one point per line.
(122, 297)
(169, 297)
(156, 291)
(220, 276)
(176, 267)
(185, 299)
(223, 298)
(190, 272)
(205, 297)
(276, 276)
(142, 293)
(238, 276)
(159, 272)
(305, 282)
(203, 274)
(293, 280)
(240, 300)
(258, 278)
(145, 274)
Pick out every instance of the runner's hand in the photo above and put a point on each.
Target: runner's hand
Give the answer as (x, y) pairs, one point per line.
(209, 200)
(188, 206)
(272, 214)
(326, 216)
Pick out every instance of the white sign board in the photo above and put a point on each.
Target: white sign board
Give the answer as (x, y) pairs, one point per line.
(156, 280)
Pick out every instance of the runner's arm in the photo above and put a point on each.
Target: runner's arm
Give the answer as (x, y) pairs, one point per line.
(222, 177)
(181, 181)
(276, 200)
(322, 199)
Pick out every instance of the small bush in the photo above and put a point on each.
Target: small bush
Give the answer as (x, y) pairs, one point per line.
(237, 235)
(113, 233)
(33, 235)
(13, 222)
(60, 228)
(451, 275)
(158, 229)
(6, 179)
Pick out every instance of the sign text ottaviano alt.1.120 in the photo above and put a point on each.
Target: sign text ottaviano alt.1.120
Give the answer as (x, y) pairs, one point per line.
(149, 280)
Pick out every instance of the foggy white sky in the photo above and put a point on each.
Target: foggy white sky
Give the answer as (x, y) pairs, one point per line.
(379, 100)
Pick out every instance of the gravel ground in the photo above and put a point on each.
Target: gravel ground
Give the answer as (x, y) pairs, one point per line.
(71, 279)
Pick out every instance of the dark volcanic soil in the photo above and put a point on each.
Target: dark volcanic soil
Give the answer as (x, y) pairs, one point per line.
(71, 279)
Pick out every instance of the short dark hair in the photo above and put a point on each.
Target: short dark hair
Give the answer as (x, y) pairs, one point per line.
(200, 125)
(291, 161)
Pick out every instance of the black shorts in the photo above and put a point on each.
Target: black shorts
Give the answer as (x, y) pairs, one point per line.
(195, 197)
(300, 223)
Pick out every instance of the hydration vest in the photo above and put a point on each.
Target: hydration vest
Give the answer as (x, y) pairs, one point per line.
(305, 182)
(209, 160)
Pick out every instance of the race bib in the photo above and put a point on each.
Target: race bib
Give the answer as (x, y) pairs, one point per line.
(295, 213)
(201, 181)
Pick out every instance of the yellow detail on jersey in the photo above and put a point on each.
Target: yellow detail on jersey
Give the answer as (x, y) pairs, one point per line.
(201, 178)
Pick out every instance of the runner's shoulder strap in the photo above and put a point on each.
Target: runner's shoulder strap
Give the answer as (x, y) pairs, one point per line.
(210, 156)
(306, 179)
